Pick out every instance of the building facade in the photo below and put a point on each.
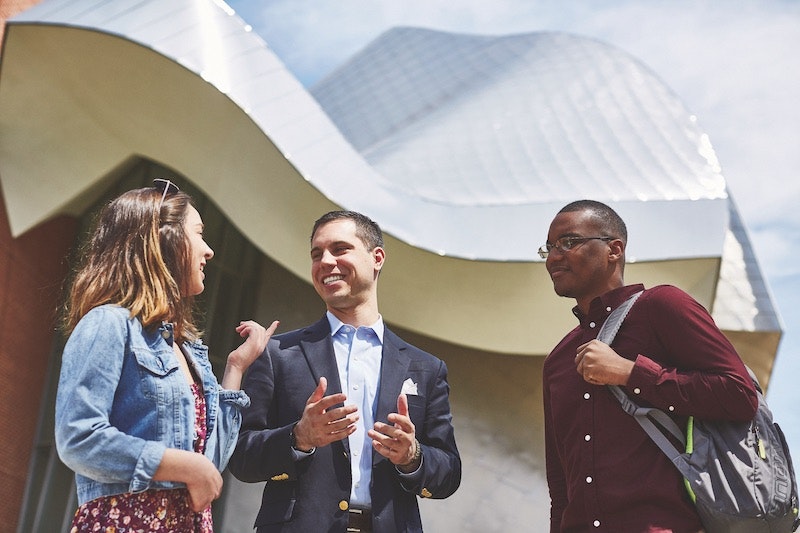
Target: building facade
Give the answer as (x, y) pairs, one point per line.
(97, 98)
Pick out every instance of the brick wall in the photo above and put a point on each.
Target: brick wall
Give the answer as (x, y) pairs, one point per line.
(9, 8)
(32, 268)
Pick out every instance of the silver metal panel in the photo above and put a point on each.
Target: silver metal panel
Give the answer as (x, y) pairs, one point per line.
(465, 145)
(514, 120)
(484, 141)
(743, 301)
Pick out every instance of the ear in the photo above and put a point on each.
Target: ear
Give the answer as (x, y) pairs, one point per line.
(616, 249)
(379, 255)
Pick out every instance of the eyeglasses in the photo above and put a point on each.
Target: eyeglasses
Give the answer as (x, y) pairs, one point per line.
(167, 187)
(565, 244)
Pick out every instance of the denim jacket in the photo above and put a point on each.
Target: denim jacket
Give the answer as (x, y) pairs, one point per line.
(122, 400)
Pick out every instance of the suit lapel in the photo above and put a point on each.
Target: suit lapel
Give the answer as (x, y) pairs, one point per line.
(317, 346)
(394, 370)
(318, 349)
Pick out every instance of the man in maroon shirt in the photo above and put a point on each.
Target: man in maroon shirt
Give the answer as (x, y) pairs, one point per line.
(603, 471)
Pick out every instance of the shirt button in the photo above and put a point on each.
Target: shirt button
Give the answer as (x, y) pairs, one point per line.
(671, 407)
(586, 395)
(355, 387)
(592, 324)
(588, 479)
(608, 309)
(637, 390)
(596, 523)
(587, 438)
(165, 334)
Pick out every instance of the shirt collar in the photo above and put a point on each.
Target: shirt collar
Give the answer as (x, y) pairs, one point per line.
(602, 306)
(335, 324)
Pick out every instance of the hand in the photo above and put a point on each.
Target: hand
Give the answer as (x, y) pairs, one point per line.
(202, 479)
(397, 442)
(321, 424)
(255, 342)
(599, 364)
(240, 359)
(205, 484)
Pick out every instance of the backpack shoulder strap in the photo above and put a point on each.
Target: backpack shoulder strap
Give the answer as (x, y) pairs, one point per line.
(649, 418)
(612, 324)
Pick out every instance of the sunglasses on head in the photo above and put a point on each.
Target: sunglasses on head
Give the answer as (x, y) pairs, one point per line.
(167, 187)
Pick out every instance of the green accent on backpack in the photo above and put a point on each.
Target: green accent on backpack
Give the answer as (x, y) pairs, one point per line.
(738, 474)
(690, 449)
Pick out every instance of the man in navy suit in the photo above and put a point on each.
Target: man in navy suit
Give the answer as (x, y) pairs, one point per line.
(348, 423)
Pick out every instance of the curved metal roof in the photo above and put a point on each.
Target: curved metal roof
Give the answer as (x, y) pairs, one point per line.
(465, 146)
(477, 136)
(517, 126)
(544, 117)
(519, 119)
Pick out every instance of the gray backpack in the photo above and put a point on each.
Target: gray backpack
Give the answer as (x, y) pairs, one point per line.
(739, 474)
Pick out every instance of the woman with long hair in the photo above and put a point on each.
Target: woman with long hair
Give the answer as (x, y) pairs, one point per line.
(140, 416)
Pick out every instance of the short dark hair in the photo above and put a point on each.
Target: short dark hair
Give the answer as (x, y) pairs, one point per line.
(610, 222)
(366, 229)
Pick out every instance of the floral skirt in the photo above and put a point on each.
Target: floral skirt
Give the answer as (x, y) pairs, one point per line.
(163, 511)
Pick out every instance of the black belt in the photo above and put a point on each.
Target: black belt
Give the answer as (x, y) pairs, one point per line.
(359, 520)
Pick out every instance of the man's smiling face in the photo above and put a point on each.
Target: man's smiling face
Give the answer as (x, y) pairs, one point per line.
(343, 270)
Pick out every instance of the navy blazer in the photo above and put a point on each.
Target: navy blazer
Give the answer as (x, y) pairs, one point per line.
(312, 495)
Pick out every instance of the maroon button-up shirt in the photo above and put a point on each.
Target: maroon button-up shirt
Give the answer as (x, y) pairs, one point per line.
(603, 471)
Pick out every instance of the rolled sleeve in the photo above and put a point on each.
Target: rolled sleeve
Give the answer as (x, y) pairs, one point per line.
(222, 441)
(146, 466)
(239, 398)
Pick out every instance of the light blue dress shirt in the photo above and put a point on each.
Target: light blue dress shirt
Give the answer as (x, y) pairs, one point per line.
(358, 358)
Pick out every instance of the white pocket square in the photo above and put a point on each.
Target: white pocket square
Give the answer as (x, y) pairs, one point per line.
(409, 387)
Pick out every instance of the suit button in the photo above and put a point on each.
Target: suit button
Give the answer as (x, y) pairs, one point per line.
(343, 505)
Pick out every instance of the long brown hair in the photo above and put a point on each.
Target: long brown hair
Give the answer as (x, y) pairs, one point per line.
(138, 257)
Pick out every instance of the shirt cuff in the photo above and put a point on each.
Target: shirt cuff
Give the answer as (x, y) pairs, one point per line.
(415, 473)
(299, 455)
(644, 375)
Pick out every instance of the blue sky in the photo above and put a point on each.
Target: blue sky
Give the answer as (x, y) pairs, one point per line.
(733, 63)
